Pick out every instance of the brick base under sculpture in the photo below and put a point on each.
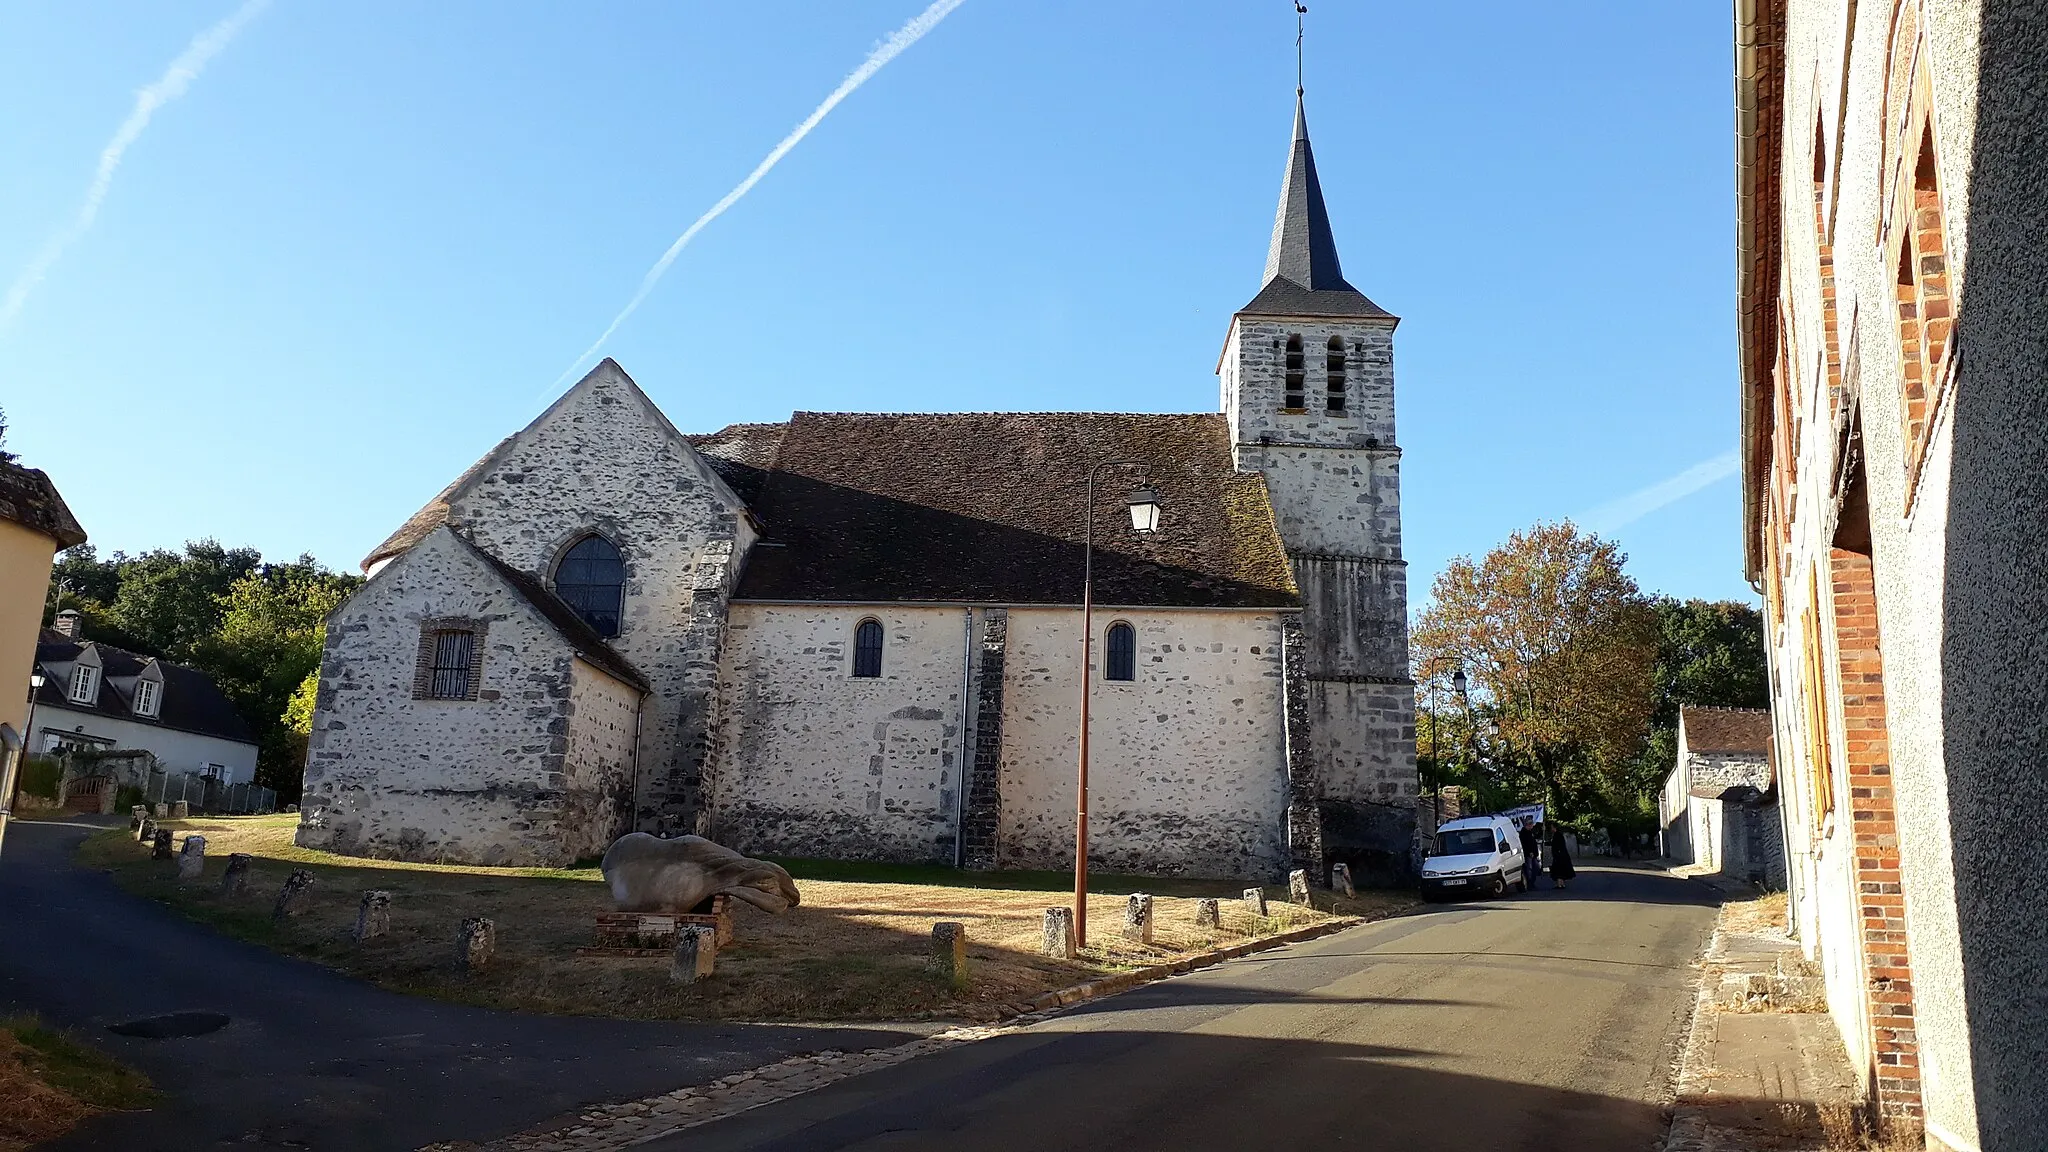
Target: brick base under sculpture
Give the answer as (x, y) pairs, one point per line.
(654, 933)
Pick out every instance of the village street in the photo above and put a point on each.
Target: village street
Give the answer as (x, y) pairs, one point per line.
(1531, 1021)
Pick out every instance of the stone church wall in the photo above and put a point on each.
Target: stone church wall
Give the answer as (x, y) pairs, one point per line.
(598, 766)
(604, 460)
(1188, 767)
(481, 780)
(815, 761)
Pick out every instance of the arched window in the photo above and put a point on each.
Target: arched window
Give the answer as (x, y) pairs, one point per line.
(1334, 401)
(1294, 400)
(867, 648)
(592, 579)
(1122, 646)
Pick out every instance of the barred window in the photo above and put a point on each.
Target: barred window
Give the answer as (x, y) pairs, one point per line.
(1122, 662)
(454, 659)
(1296, 396)
(592, 579)
(867, 649)
(1334, 362)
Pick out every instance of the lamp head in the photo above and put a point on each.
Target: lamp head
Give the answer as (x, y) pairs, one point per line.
(1144, 504)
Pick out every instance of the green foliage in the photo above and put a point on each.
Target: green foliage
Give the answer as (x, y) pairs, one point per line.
(256, 628)
(5, 456)
(1708, 653)
(82, 1072)
(39, 776)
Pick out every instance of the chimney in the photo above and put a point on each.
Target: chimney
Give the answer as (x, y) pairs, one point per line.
(69, 623)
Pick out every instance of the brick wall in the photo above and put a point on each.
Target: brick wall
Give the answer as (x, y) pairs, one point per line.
(1881, 906)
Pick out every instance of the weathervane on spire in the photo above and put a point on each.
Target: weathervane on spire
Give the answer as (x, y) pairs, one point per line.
(1300, 10)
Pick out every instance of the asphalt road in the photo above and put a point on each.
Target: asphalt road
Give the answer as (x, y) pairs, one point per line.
(1530, 1023)
(310, 1059)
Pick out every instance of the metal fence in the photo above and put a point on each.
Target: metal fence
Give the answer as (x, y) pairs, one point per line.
(206, 794)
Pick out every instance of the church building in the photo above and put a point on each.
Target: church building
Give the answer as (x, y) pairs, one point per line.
(855, 635)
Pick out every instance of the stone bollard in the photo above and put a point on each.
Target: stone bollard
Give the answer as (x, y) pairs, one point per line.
(1297, 886)
(695, 956)
(1138, 918)
(161, 847)
(476, 941)
(292, 809)
(1058, 941)
(1340, 880)
(1255, 901)
(181, 810)
(146, 833)
(292, 898)
(137, 815)
(235, 881)
(373, 915)
(192, 858)
(163, 810)
(949, 952)
(1208, 914)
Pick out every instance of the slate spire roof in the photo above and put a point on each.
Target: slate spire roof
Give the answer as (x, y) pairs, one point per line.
(1303, 275)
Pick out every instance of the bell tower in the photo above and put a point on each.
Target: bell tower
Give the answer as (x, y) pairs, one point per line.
(1308, 385)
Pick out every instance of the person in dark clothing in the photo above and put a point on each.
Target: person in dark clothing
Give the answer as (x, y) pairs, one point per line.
(1532, 857)
(1561, 870)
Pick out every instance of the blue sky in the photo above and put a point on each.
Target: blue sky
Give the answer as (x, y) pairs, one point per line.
(363, 242)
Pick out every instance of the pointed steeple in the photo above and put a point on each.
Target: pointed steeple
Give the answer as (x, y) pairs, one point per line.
(1303, 276)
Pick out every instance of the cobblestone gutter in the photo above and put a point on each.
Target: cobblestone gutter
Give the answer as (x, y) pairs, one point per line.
(614, 1126)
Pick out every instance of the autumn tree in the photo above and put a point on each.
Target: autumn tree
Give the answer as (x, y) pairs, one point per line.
(1560, 648)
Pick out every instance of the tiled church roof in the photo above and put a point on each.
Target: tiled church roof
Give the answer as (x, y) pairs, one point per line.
(987, 507)
(1745, 731)
(29, 499)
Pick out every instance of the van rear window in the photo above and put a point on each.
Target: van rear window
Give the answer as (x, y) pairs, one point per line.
(1464, 841)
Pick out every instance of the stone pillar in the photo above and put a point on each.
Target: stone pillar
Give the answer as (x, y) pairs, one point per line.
(181, 810)
(1255, 901)
(163, 811)
(293, 897)
(1297, 886)
(235, 881)
(192, 858)
(136, 815)
(161, 846)
(476, 942)
(1058, 940)
(1208, 914)
(373, 915)
(145, 832)
(1451, 804)
(949, 952)
(1340, 880)
(1304, 777)
(695, 956)
(1138, 918)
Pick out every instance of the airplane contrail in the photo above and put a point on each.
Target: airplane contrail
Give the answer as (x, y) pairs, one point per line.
(884, 52)
(1638, 504)
(168, 87)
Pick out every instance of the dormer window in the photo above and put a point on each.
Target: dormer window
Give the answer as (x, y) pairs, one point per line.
(85, 684)
(149, 695)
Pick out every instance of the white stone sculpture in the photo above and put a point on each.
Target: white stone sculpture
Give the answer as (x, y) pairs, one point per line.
(649, 874)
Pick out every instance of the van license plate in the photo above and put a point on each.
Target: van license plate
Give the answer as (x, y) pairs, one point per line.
(1451, 883)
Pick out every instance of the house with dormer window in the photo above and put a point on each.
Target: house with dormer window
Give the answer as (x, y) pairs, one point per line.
(98, 697)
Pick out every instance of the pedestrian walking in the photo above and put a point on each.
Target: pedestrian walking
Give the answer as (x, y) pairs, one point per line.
(1561, 870)
(1532, 856)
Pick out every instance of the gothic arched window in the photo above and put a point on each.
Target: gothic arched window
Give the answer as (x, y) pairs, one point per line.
(1122, 661)
(867, 649)
(592, 579)
(1334, 401)
(1294, 400)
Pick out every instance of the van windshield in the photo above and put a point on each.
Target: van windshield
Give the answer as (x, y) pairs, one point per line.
(1464, 841)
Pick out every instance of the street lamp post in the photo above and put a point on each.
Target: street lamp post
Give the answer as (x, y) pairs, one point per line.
(12, 761)
(1144, 506)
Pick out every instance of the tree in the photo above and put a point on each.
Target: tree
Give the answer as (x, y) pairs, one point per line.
(6, 457)
(171, 603)
(1708, 653)
(1560, 647)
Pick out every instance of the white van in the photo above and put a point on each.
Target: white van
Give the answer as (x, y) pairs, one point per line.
(1481, 854)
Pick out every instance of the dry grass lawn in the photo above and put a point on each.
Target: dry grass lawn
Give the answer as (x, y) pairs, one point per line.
(51, 1082)
(855, 950)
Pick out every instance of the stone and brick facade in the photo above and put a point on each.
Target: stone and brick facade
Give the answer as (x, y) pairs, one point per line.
(1892, 164)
